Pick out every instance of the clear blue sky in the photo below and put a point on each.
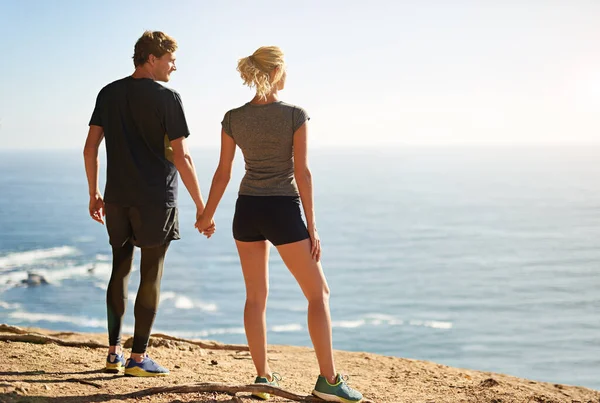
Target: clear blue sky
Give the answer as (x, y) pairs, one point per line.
(368, 72)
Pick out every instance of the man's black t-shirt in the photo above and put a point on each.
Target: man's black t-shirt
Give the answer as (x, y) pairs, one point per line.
(140, 117)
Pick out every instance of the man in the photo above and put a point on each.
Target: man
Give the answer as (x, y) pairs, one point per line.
(145, 130)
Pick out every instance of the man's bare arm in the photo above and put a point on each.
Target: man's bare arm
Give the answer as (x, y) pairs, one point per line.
(92, 167)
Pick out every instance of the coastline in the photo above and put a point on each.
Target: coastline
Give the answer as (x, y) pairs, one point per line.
(31, 372)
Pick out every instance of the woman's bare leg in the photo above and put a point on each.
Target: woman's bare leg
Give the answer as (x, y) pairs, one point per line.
(311, 279)
(254, 257)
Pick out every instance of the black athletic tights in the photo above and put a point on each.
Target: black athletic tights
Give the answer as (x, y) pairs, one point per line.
(146, 302)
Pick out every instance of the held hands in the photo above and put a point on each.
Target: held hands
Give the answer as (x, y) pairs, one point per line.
(315, 243)
(96, 208)
(205, 225)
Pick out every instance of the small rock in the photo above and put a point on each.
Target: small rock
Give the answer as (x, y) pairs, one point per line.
(177, 366)
(34, 279)
(213, 362)
(46, 387)
(489, 383)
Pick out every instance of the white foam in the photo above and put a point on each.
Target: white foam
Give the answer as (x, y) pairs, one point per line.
(349, 323)
(438, 324)
(53, 275)
(103, 258)
(431, 323)
(184, 303)
(13, 277)
(212, 332)
(294, 327)
(34, 256)
(302, 308)
(167, 295)
(206, 307)
(380, 316)
(55, 318)
(101, 269)
(6, 305)
(83, 238)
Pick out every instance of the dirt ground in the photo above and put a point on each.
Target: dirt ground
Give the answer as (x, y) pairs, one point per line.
(31, 372)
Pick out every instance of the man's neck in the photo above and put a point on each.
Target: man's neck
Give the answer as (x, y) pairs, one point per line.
(142, 72)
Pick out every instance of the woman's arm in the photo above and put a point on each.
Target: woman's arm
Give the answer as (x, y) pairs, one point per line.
(219, 182)
(305, 187)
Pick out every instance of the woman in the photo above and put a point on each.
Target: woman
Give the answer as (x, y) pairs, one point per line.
(273, 138)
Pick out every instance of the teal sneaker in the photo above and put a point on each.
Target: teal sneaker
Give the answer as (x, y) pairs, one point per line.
(338, 392)
(261, 379)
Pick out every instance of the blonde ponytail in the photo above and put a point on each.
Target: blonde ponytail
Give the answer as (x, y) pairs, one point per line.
(257, 68)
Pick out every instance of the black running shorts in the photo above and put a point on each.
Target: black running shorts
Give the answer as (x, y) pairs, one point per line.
(145, 226)
(274, 218)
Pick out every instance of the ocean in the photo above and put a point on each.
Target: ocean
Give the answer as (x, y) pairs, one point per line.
(485, 258)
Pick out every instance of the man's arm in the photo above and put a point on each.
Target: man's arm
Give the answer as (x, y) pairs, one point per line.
(185, 166)
(90, 156)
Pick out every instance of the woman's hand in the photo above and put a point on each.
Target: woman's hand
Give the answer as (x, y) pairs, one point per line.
(315, 243)
(206, 225)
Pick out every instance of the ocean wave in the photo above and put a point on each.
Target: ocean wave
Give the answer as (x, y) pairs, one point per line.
(55, 275)
(349, 323)
(33, 317)
(293, 327)
(184, 302)
(78, 321)
(6, 305)
(431, 323)
(34, 256)
(51, 275)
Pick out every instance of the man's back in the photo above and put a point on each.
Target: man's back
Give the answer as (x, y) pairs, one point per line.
(140, 117)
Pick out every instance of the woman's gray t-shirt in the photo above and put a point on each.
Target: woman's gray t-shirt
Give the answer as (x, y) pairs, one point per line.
(265, 134)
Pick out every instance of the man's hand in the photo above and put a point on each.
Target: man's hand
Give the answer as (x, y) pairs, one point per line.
(206, 225)
(97, 208)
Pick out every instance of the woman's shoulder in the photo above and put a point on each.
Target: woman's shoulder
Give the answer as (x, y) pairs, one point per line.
(291, 106)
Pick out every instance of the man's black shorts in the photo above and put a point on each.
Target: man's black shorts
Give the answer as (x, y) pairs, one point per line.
(145, 226)
(274, 218)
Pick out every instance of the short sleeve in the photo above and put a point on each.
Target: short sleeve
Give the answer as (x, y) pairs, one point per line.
(300, 116)
(226, 124)
(174, 118)
(96, 118)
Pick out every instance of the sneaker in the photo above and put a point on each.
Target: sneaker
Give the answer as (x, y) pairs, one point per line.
(115, 363)
(261, 379)
(338, 392)
(148, 367)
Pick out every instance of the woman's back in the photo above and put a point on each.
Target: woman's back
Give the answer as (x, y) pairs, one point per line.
(264, 133)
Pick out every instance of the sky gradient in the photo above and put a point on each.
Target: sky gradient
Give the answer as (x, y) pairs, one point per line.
(369, 73)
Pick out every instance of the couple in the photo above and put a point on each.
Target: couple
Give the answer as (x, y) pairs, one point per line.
(145, 129)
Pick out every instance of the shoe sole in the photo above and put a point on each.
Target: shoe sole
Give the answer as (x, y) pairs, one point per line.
(114, 368)
(333, 398)
(263, 396)
(141, 373)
